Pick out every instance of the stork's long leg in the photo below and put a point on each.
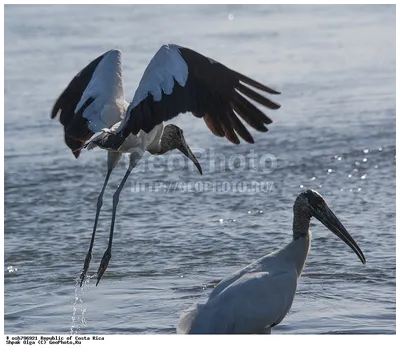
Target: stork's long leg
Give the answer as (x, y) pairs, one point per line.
(134, 159)
(113, 159)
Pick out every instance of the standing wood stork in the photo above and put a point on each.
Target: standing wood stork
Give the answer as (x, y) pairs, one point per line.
(94, 112)
(259, 296)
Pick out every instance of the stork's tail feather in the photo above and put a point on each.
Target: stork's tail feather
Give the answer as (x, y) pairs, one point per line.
(187, 317)
(109, 141)
(105, 140)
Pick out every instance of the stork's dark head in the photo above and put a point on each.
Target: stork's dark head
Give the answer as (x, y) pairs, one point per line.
(309, 201)
(312, 204)
(172, 139)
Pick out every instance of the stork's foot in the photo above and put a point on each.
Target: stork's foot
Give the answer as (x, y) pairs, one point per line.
(86, 266)
(104, 264)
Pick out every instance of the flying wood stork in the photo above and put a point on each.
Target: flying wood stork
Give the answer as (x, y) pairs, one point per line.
(94, 112)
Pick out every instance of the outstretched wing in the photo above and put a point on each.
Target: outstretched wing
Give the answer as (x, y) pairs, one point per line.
(93, 100)
(179, 80)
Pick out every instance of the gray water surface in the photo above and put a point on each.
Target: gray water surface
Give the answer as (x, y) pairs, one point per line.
(335, 133)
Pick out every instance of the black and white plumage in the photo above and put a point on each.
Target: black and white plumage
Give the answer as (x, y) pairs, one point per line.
(94, 112)
(199, 85)
(83, 104)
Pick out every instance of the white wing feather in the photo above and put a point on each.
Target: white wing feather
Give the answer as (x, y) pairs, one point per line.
(166, 66)
(265, 263)
(106, 88)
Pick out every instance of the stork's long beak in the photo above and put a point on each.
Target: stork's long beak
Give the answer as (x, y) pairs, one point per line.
(325, 215)
(185, 149)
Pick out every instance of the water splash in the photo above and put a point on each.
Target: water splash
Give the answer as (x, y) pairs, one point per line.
(78, 320)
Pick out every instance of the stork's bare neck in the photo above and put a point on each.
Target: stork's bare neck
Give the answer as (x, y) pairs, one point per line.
(301, 221)
(298, 249)
(172, 138)
(307, 205)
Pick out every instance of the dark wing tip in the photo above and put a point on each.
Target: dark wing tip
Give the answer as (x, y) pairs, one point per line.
(74, 145)
(239, 127)
(234, 141)
(231, 136)
(254, 83)
(274, 92)
(251, 94)
(76, 153)
(55, 109)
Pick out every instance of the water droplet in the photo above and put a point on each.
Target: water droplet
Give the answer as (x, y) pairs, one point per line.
(363, 176)
(260, 212)
(365, 151)
(221, 220)
(249, 212)
(359, 189)
(380, 149)
(357, 163)
(12, 269)
(301, 186)
(376, 166)
(231, 17)
(320, 186)
(234, 220)
(349, 175)
(181, 276)
(351, 190)
(313, 178)
(329, 171)
(365, 159)
(355, 170)
(339, 158)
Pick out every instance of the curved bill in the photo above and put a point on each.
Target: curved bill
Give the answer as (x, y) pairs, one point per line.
(185, 149)
(328, 218)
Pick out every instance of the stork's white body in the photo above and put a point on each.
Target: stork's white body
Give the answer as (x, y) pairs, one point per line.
(252, 300)
(133, 143)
